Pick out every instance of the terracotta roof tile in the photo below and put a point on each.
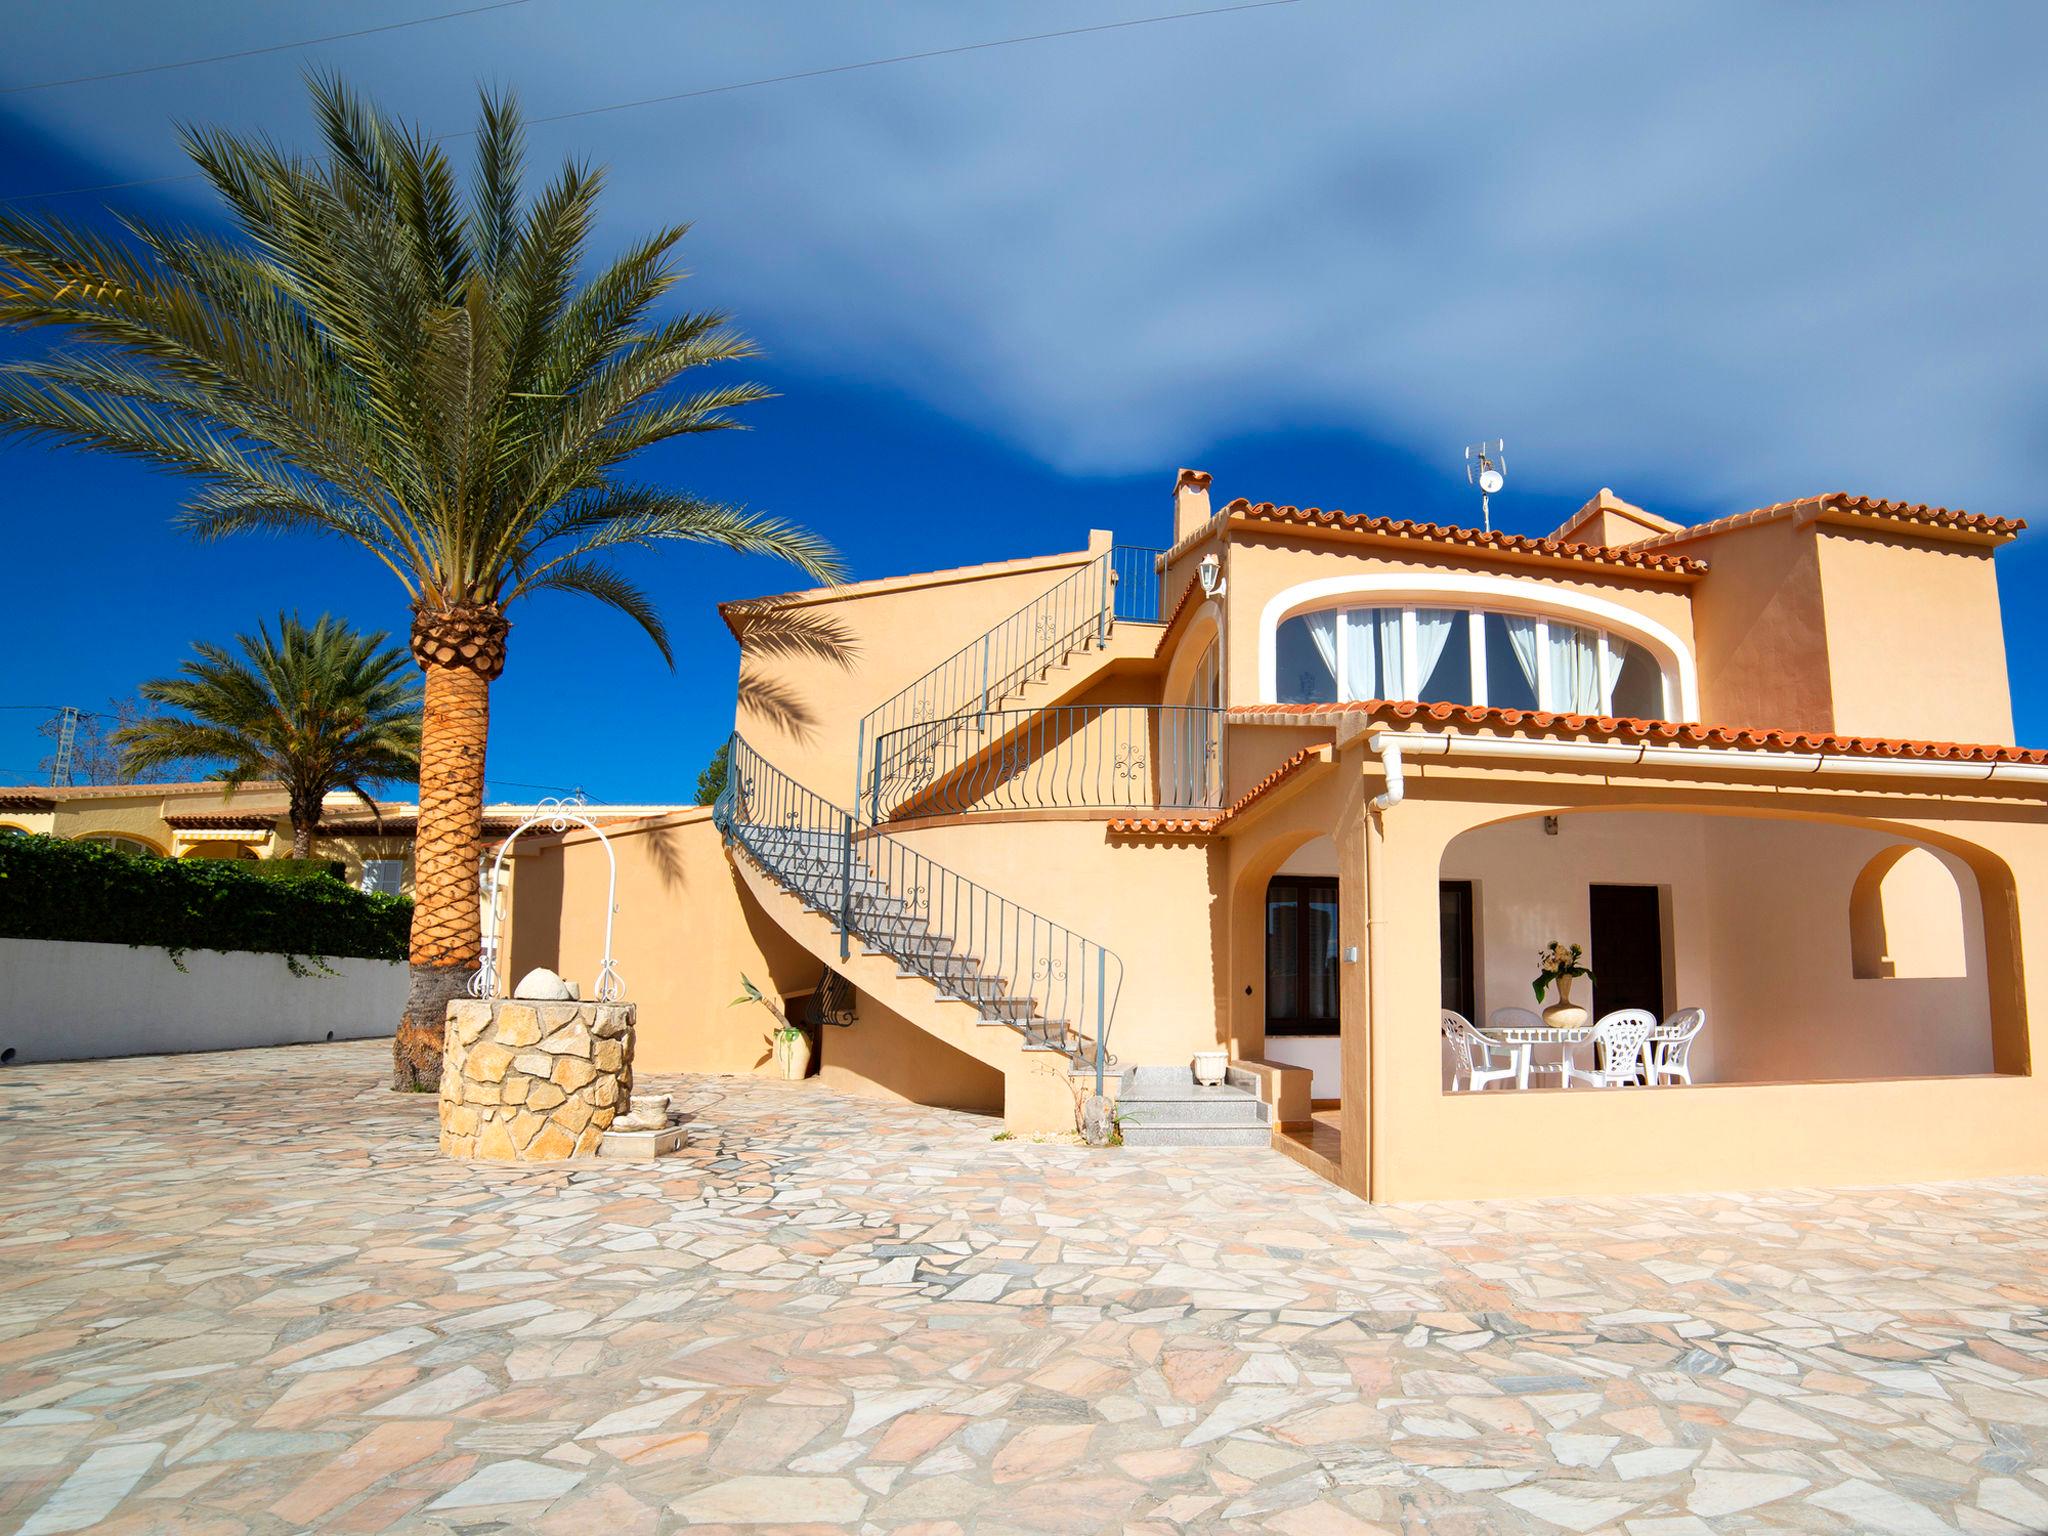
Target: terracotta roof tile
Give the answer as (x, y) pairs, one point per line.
(25, 800)
(1915, 514)
(226, 821)
(1199, 478)
(132, 791)
(1204, 825)
(1181, 605)
(1629, 557)
(1630, 728)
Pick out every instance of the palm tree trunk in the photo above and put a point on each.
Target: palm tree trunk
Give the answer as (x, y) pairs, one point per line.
(445, 927)
(304, 816)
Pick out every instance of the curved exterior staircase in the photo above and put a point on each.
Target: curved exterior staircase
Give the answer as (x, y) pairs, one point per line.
(999, 982)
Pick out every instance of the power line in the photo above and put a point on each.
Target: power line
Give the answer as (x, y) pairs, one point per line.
(560, 789)
(902, 58)
(250, 53)
(720, 90)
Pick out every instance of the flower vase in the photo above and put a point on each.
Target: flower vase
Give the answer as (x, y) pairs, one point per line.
(1564, 1013)
(793, 1055)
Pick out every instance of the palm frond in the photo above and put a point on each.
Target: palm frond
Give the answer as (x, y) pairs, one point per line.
(606, 585)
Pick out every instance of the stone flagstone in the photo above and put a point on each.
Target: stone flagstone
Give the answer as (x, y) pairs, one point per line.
(244, 1294)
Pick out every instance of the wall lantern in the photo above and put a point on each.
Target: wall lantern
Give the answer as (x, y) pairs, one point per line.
(1211, 573)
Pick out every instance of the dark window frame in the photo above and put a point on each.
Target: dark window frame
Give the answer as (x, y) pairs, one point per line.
(1466, 981)
(1301, 891)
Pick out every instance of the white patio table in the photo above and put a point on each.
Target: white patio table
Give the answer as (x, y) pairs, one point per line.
(1521, 1044)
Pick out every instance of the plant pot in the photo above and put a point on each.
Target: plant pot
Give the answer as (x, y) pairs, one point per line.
(1564, 1013)
(1210, 1067)
(793, 1055)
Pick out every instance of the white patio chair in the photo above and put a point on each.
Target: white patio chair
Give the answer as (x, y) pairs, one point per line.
(1472, 1055)
(1671, 1058)
(1620, 1039)
(1520, 1018)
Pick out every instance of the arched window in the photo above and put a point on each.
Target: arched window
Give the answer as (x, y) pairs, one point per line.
(1464, 656)
(1906, 918)
(121, 843)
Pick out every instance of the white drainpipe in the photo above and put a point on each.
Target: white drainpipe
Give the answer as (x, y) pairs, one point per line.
(1389, 745)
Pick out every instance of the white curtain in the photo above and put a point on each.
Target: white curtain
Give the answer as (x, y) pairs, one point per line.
(1617, 654)
(1432, 634)
(1574, 672)
(1322, 629)
(1361, 656)
(1522, 639)
(1393, 681)
(1372, 654)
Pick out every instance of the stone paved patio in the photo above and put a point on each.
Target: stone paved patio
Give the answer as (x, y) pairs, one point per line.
(243, 1293)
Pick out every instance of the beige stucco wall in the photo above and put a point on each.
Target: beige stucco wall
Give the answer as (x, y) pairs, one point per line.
(140, 817)
(1151, 902)
(1781, 933)
(884, 1055)
(807, 679)
(1760, 629)
(682, 941)
(1914, 643)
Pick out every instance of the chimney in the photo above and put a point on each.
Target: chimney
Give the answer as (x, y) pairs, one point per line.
(1190, 502)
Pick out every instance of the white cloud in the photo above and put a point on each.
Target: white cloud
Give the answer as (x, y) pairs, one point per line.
(1720, 253)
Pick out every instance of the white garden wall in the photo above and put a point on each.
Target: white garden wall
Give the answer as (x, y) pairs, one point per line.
(68, 1002)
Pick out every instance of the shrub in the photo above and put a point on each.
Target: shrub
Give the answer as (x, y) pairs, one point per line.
(54, 889)
(295, 869)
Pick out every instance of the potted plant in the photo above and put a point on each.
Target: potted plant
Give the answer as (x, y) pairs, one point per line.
(1561, 963)
(788, 1043)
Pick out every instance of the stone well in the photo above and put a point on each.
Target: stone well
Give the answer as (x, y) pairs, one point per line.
(533, 1082)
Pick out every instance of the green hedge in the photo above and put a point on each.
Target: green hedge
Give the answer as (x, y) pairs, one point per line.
(293, 869)
(53, 889)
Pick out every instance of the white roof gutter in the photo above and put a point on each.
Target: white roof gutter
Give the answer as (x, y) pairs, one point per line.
(1423, 744)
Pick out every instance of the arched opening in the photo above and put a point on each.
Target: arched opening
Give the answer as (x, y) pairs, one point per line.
(1906, 918)
(219, 851)
(1739, 916)
(122, 842)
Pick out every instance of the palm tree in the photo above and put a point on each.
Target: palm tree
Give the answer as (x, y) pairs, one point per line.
(316, 709)
(380, 354)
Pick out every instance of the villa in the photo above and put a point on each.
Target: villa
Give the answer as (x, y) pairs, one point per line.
(201, 821)
(1313, 789)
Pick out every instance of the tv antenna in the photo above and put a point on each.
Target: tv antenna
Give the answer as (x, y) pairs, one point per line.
(1486, 466)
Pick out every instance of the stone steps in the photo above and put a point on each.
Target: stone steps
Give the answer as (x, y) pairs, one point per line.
(1166, 1107)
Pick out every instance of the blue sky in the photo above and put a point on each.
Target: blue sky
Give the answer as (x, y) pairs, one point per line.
(1709, 255)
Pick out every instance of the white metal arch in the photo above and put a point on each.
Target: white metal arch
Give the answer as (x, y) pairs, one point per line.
(554, 816)
(1476, 591)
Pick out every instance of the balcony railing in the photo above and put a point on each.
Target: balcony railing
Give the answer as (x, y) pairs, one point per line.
(1070, 757)
(1013, 966)
(1075, 613)
(1137, 585)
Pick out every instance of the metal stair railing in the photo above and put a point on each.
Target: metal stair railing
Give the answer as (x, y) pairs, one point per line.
(1067, 757)
(1014, 966)
(1074, 614)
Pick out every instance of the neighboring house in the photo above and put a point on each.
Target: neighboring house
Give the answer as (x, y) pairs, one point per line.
(196, 821)
(1300, 781)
